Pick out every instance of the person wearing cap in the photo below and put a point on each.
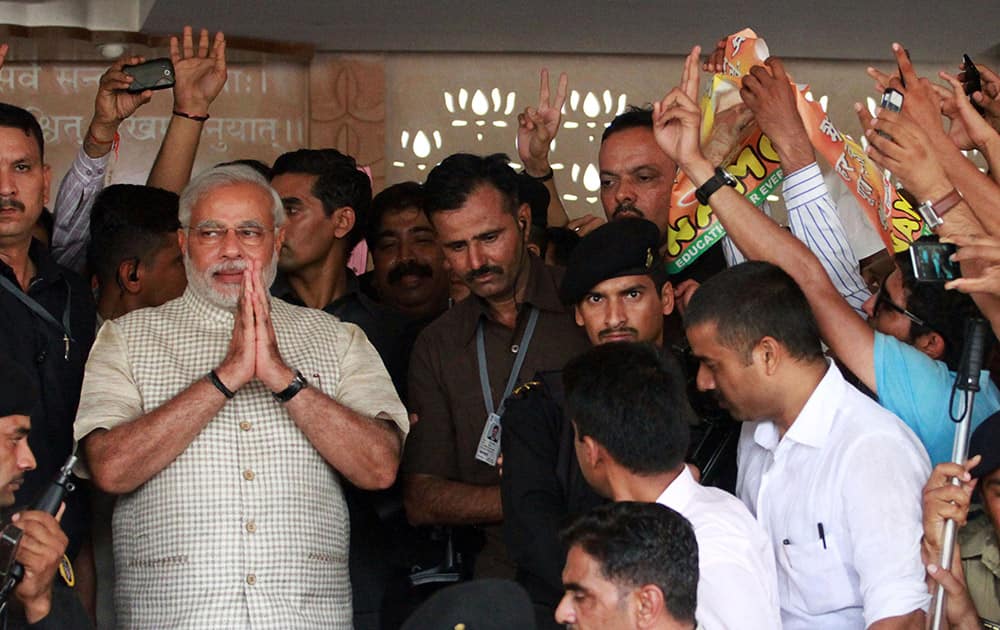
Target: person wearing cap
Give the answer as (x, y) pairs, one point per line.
(617, 285)
(488, 604)
(41, 600)
(977, 543)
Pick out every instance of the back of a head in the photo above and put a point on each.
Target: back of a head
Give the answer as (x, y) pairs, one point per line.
(632, 401)
(642, 543)
(338, 183)
(15, 117)
(754, 300)
(129, 222)
(483, 604)
(631, 118)
(18, 392)
(393, 199)
(946, 312)
(451, 182)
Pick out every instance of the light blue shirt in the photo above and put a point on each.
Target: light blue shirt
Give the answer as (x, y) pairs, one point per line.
(917, 388)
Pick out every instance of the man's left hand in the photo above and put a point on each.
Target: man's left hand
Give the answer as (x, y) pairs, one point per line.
(768, 92)
(200, 76)
(42, 547)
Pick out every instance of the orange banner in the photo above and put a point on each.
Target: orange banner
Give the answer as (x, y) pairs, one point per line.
(754, 162)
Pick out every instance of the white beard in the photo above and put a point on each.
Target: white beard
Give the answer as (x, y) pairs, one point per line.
(201, 282)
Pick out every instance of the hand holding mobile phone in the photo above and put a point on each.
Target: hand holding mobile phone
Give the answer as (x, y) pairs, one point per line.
(972, 82)
(932, 262)
(155, 74)
(892, 100)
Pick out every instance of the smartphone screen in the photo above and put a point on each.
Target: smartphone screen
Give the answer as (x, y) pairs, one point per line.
(932, 262)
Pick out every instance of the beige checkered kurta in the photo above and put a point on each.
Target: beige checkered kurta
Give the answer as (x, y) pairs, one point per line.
(248, 527)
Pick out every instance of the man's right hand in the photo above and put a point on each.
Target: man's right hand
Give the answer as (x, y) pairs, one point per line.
(989, 97)
(40, 552)
(538, 126)
(943, 500)
(199, 78)
(768, 92)
(112, 105)
(238, 368)
(677, 120)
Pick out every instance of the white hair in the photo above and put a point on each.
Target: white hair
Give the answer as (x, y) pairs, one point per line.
(219, 177)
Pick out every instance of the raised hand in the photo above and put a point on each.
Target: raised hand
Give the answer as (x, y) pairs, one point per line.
(112, 105)
(908, 153)
(198, 76)
(968, 129)
(538, 126)
(768, 92)
(677, 119)
(716, 61)
(989, 96)
(920, 101)
(237, 369)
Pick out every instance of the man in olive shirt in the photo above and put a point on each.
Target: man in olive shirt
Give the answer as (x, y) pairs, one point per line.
(449, 463)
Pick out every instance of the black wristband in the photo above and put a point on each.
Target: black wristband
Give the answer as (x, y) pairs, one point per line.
(219, 385)
(194, 117)
(544, 178)
(298, 384)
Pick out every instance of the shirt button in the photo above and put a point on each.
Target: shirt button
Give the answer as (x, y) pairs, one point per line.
(251, 526)
(90, 172)
(251, 579)
(248, 474)
(40, 357)
(245, 426)
(514, 349)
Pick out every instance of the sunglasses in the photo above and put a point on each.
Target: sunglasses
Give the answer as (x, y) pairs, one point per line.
(882, 299)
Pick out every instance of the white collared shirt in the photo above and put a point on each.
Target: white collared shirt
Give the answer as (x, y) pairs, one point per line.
(737, 585)
(853, 467)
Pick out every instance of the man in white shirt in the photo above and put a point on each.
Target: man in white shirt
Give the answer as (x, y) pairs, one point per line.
(630, 415)
(834, 478)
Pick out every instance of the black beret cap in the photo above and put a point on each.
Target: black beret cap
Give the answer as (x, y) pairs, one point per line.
(18, 393)
(624, 247)
(986, 442)
(488, 604)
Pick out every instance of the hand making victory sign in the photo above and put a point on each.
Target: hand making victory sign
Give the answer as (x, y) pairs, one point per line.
(538, 126)
(677, 118)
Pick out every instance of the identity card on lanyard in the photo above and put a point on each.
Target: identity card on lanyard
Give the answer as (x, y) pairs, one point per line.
(489, 442)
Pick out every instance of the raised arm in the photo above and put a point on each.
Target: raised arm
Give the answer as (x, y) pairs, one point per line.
(536, 129)
(812, 214)
(85, 178)
(199, 77)
(676, 122)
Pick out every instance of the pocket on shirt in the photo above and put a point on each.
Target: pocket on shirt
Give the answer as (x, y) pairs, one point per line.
(818, 580)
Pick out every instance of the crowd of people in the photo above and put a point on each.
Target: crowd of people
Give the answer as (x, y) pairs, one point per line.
(528, 404)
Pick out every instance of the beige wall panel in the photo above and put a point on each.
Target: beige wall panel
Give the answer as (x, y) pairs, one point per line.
(347, 108)
(428, 118)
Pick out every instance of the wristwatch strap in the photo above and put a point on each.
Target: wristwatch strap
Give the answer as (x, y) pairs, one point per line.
(714, 183)
(932, 211)
(298, 384)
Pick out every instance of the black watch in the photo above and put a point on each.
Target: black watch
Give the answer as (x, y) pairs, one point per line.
(717, 181)
(298, 384)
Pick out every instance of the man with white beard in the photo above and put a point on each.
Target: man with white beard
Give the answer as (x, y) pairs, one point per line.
(224, 420)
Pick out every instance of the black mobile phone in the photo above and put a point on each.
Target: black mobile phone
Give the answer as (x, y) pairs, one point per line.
(932, 262)
(155, 74)
(973, 81)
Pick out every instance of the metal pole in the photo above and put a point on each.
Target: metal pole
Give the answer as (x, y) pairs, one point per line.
(967, 381)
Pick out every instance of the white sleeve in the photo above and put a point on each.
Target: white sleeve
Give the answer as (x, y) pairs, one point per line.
(71, 212)
(813, 218)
